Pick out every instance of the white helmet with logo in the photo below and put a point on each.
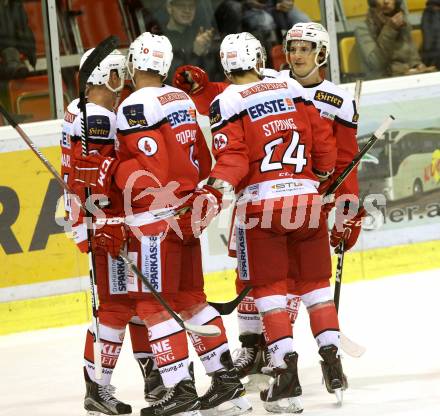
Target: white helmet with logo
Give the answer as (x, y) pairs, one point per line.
(101, 74)
(241, 52)
(310, 32)
(150, 52)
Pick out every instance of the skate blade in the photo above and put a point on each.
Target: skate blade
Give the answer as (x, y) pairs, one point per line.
(339, 393)
(241, 406)
(256, 382)
(97, 413)
(192, 413)
(290, 405)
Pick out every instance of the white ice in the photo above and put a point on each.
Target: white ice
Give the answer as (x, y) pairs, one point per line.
(397, 319)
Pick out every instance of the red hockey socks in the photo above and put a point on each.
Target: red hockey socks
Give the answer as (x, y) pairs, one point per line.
(277, 328)
(170, 348)
(209, 349)
(323, 316)
(139, 339)
(111, 340)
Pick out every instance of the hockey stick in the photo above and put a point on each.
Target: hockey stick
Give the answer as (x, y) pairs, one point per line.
(357, 93)
(349, 346)
(202, 330)
(228, 307)
(93, 60)
(40, 155)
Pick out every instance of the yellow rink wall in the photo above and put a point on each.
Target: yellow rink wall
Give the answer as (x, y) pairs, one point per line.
(74, 308)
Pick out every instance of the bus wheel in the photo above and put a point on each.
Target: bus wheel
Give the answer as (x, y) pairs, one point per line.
(417, 188)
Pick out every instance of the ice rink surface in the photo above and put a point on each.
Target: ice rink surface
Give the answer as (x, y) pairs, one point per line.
(396, 319)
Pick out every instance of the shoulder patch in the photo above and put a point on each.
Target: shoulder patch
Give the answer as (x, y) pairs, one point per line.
(328, 98)
(98, 126)
(135, 115)
(148, 146)
(214, 112)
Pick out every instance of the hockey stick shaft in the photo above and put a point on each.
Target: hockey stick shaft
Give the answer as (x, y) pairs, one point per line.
(338, 274)
(92, 61)
(204, 330)
(37, 151)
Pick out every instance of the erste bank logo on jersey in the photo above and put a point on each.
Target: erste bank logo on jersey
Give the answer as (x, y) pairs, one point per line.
(181, 116)
(270, 107)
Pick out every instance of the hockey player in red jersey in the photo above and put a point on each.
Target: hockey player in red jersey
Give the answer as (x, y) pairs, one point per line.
(161, 157)
(272, 148)
(116, 309)
(307, 49)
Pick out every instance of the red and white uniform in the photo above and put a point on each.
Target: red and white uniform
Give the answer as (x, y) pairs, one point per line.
(116, 309)
(158, 135)
(266, 139)
(101, 123)
(161, 147)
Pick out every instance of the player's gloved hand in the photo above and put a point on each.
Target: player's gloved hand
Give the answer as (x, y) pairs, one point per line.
(199, 210)
(190, 79)
(349, 229)
(110, 235)
(95, 171)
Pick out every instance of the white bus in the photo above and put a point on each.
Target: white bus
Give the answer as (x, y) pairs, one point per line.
(405, 163)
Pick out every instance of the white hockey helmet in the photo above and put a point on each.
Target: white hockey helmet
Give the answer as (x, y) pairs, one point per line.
(310, 32)
(101, 74)
(241, 52)
(150, 52)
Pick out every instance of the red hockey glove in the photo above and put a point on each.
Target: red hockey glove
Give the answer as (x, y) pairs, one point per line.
(190, 79)
(110, 236)
(347, 229)
(199, 210)
(95, 171)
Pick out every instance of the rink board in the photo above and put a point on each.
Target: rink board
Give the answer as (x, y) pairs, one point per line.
(42, 280)
(74, 308)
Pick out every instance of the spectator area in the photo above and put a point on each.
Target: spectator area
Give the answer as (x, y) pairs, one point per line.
(82, 24)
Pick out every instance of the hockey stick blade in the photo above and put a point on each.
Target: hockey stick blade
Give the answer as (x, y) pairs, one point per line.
(228, 307)
(94, 59)
(201, 330)
(351, 348)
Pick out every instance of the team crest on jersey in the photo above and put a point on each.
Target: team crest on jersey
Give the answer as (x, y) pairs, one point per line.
(135, 115)
(268, 108)
(148, 146)
(328, 98)
(220, 141)
(99, 126)
(214, 112)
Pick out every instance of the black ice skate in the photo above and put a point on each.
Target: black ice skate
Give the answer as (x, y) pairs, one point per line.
(99, 400)
(282, 396)
(334, 377)
(181, 399)
(249, 360)
(225, 388)
(153, 385)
